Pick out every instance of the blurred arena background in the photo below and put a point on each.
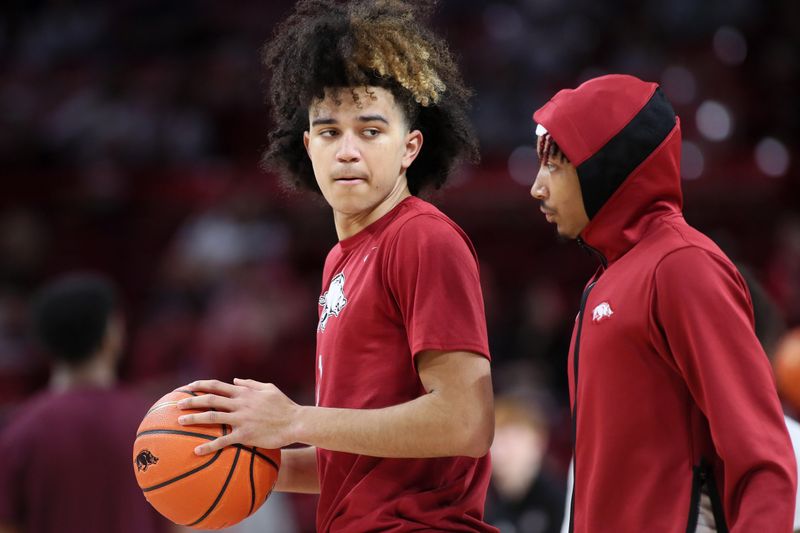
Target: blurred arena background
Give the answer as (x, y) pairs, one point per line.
(130, 137)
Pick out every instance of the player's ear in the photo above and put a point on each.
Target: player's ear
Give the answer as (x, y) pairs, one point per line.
(413, 145)
(306, 138)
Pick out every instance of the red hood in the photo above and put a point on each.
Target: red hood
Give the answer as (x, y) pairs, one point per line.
(625, 140)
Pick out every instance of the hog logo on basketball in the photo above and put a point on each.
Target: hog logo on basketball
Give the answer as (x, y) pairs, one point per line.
(144, 459)
(332, 301)
(602, 312)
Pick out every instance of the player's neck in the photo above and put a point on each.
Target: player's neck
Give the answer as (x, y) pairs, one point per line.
(96, 373)
(348, 225)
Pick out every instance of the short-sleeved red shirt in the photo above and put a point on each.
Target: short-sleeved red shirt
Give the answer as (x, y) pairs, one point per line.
(407, 283)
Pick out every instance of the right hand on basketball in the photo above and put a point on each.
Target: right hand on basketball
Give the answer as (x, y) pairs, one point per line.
(259, 414)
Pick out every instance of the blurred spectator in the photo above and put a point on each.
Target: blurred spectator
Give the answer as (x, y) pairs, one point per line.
(23, 252)
(778, 343)
(784, 268)
(23, 247)
(239, 230)
(228, 304)
(526, 496)
(544, 332)
(787, 367)
(67, 452)
(22, 370)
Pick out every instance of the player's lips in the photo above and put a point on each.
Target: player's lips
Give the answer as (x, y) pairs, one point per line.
(349, 180)
(548, 214)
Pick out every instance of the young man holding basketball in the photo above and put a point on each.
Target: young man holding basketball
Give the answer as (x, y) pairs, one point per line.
(673, 402)
(404, 419)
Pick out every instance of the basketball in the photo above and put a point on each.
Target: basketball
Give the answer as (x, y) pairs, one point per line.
(203, 492)
(787, 368)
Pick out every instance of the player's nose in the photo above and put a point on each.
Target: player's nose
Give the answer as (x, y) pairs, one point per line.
(538, 189)
(347, 151)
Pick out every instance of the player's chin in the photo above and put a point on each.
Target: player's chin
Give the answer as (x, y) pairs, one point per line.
(350, 203)
(566, 234)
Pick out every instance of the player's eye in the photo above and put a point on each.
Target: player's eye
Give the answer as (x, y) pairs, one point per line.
(328, 133)
(551, 167)
(371, 132)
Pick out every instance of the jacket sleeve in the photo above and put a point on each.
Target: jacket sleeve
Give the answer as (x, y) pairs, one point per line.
(703, 308)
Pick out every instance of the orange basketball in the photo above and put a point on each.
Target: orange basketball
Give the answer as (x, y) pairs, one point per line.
(204, 492)
(787, 368)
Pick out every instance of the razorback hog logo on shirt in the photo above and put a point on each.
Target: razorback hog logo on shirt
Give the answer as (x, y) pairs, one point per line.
(144, 459)
(602, 312)
(333, 301)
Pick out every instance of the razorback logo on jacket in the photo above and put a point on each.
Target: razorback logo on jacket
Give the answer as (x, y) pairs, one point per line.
(602, 312)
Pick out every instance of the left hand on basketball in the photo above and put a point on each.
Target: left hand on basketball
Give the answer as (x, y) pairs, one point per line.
(259, 414)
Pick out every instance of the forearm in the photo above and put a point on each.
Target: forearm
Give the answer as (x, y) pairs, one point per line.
(298, 472)
(428, 426)
(454, 418)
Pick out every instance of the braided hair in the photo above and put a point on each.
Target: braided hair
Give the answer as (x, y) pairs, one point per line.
(546, 148)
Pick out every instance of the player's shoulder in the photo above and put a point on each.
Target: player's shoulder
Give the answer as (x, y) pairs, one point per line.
(698, 268)
(421, 219)
(675, 247)
(679, 235)
(424, 231)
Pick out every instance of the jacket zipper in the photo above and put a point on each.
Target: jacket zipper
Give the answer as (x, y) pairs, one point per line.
(584, 299)
(593, 251)
(702, 476)
(716, 502)
(575, 353)
(698, 479)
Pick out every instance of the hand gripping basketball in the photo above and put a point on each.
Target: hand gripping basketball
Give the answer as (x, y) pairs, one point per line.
(258, 413)
(209, 492)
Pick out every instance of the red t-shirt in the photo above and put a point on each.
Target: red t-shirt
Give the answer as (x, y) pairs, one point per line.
(65, 465)
(407, 283)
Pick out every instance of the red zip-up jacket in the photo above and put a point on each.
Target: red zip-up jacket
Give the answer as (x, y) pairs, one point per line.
(669, 387)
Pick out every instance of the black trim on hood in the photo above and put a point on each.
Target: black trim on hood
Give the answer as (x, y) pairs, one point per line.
(602, 174)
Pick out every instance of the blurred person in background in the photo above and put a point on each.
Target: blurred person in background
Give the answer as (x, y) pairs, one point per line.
(525, 495)
(672, 397)
(784, 267)
(66, 454)
(786, 361)
(400, 433)
(770, 328)
(228, 301)
(24, 251)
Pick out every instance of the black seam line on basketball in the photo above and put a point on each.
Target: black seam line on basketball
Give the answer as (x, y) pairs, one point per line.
(185, 474)
(187, 392)
(252, 480)
(205, 437)
(176, 432)
(605, 171)
(261, 455)
(221, 491)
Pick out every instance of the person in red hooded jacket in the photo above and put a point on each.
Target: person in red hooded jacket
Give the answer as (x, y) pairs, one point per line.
(672, 397)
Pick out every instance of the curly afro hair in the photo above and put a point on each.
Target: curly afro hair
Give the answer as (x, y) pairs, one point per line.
(328, 44)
